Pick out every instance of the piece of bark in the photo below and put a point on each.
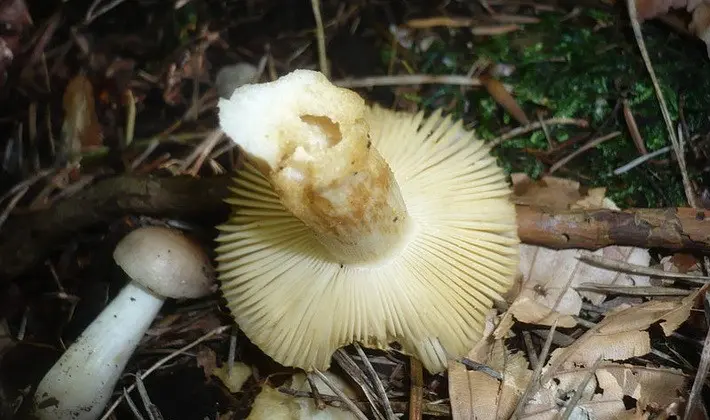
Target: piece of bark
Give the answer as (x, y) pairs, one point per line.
(28, 239)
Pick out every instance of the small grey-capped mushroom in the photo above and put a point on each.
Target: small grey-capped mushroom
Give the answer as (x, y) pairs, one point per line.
(161, 263)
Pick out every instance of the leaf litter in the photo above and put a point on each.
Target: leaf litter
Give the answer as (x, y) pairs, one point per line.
(545, 298)
(597, 355)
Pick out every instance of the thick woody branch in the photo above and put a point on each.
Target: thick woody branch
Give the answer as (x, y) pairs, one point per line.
(27, 240)
(670, 228)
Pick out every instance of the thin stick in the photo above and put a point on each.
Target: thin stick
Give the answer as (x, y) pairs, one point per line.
(641, 159)
(408, 79)
(616, 265)
(589, 145)
(480, 367)
(519, 131)
(132, 405)
(438, 409)
(150, 148)
(91, 15)
(535, 378)
(702, 372)
(633, 290)
(633, 127)
(532, 355)
(207, 148)
(320, 36)
(200, 152)
(344, 398)
(150, 408)
(232, 351)
(633, 17)
(25, 184)
(163, 361)
(572, 403)
(317, 398)
(357, 375)
(416, 392)
(11, 205)
(379, 388)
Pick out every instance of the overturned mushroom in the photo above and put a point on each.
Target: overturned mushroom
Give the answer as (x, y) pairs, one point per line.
(353, 223)
(161, 263)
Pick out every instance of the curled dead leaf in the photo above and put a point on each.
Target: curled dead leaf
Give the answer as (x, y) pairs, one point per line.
(81, 130)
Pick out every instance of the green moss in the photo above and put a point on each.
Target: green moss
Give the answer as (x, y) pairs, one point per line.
(582, 68)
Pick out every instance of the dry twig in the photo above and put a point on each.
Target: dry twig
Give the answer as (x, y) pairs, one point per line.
(344, 398)
(572, 403)
(352, 369)
(416, 392)
(379, 388)
(589, 145)
(640, 160)
(677, 146)
(320, 36)
(33, 236)
(625, 267)
(702, 372)
(161, 362)
(535, 379)
(519, 131)
(408, 79)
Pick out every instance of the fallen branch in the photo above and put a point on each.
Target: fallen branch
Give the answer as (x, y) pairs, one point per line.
(670, 228)
(26, 240)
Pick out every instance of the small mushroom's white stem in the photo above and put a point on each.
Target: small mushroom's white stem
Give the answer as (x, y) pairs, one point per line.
(311, 139)
(79, 385)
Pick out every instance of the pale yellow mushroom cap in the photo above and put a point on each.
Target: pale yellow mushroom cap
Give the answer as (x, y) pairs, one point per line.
(458, 253)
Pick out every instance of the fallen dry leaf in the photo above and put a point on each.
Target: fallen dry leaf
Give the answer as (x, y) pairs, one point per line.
(478, 395)
(699, 10)
(622, 333)
(207, 360)
(681, 263)
(700, 23)
(605, 394)
(81, 130)
(504, 98)
(549, 277)
(548, 192)
(649, 9)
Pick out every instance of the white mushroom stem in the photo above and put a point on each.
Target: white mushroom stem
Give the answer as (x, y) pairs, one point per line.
(312, 141)
(161, 263)
(79, 385)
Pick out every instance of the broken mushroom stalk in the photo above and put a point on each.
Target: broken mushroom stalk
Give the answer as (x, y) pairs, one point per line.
(161, 263)
(354, 223)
